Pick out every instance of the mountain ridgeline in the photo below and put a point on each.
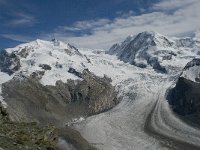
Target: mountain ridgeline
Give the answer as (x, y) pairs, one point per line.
(167, 56)
(48, 82)
(155, 50)
(53, 82)
(30, 97)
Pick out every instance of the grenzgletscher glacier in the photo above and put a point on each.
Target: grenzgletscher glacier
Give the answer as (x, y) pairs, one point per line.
(142, 93)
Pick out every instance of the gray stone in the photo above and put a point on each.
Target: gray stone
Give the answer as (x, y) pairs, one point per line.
(9, 63)
(29, 100)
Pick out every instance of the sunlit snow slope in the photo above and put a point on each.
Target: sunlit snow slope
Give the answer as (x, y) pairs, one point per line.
(142, 68)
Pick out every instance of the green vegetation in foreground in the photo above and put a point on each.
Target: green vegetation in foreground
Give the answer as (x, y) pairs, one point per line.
(22, 136)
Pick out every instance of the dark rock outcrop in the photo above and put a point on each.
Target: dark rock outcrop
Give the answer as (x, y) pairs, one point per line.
(185, 96)
(194, 62)
(72, 50)
(24, 52)
(29, 100)
(9, 63)
(156, 65)
(74, 72)
(45, 66)
(4, 116)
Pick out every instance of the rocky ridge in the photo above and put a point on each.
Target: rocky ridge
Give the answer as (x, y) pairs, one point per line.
(185, 97)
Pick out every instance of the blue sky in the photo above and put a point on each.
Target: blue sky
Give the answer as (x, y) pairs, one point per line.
(94, 23)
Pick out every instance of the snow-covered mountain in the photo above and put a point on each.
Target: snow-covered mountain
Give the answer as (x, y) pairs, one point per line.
(59, 73)
(54, 58)
(156, 50)
(53, 81)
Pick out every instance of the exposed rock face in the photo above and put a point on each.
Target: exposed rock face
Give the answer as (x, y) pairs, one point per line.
(45, 66)
(76, 51)
(185, 96)
(29, 100)
(96, 91)
(73, 71)
(25, 51)
(9, 63)
(4, 116)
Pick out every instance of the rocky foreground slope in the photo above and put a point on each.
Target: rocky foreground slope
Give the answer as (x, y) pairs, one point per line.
(21, 135)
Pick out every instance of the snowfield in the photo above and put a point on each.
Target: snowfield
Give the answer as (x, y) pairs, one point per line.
(58, 55)
(123, 126)
(143, 119)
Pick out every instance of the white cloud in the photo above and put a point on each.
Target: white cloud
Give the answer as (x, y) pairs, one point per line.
(21, 19)
(16, 37)
(173, 4)
(169, 17)
(15, 16)
(172, 18)
(84, 25)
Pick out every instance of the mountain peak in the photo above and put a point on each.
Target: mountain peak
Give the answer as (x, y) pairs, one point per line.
(153, 33)
(150, 48)
(53, 44)
(49, 57)
(142, 40)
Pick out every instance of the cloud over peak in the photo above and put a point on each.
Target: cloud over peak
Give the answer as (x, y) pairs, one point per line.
(172, 18)
(169, 17)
